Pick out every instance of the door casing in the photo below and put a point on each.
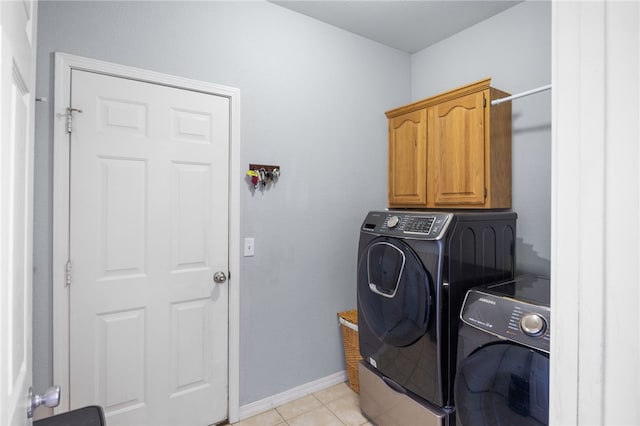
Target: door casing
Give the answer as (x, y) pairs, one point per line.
(64, 63)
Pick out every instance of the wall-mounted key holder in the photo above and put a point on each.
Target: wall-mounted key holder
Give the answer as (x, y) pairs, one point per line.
(261, 175)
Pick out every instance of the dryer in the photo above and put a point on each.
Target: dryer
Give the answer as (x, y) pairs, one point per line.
(414, 268)
(503, 355)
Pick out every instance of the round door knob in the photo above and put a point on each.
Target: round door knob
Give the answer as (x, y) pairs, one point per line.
(50, 398)
(533, 324)
(219, 277)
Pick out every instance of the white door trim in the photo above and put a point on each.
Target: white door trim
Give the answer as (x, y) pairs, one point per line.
(64, 63)
(595, 208)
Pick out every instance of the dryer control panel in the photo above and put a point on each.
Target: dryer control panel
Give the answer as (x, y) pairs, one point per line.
(419, 225)
(508, 318)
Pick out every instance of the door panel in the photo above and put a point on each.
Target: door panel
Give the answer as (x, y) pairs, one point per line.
(123, 250)
(456, 150)
(120, 361)
(148, 332)
(408, 159)
(17, 80)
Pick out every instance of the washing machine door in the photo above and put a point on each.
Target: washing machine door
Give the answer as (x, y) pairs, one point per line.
(394, 295)
(503, 384)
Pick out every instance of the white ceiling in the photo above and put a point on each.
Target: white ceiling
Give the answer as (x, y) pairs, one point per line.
(408, 25)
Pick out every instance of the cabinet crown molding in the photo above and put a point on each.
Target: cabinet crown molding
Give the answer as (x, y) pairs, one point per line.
(442, 97)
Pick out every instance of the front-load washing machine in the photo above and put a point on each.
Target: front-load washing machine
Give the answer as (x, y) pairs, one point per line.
(414, 269)
(503, 354)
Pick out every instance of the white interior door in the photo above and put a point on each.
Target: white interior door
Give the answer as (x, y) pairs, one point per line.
(17, 80)
(148, 230)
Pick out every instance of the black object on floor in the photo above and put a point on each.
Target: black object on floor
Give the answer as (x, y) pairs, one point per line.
(86, 416)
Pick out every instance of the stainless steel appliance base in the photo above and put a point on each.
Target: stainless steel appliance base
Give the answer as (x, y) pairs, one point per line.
(385, 406)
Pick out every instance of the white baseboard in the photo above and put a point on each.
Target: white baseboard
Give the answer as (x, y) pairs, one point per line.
(266, 404)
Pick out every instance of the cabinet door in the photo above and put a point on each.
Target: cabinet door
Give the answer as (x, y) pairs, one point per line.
(456, 173)
(408, 159)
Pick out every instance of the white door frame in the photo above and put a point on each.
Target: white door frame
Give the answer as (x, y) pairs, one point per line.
(595, 342)
(64, 63)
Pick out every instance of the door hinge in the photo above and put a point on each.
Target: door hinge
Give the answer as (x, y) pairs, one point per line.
(485, 193)
(484, 102)
(68, 271)
(70, 112)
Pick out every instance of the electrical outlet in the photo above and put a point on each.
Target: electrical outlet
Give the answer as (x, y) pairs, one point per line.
(249, 246)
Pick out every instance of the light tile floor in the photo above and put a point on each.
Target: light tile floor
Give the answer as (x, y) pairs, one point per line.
(334, 406)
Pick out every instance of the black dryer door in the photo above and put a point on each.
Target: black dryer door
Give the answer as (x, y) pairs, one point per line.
(503, 384)
(393, 292)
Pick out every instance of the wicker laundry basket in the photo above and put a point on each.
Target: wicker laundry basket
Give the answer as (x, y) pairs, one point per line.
(349, 325)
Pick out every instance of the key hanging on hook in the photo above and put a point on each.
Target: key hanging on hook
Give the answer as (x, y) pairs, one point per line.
(255, 178)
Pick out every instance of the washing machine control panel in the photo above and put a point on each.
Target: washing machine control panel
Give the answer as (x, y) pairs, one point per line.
(508, 318)
(422, 225)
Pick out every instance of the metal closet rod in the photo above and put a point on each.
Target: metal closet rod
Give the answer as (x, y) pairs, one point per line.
(520, 95)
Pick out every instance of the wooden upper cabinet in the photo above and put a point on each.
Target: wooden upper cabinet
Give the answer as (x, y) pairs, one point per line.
(408, 159)
(456, 149)
(465, 159)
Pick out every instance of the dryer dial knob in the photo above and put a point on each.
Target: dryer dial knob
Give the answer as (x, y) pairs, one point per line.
(393, 221)
(533, 325)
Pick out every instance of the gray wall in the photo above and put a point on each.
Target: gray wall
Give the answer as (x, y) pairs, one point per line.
(313, 99)
(514, 49)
